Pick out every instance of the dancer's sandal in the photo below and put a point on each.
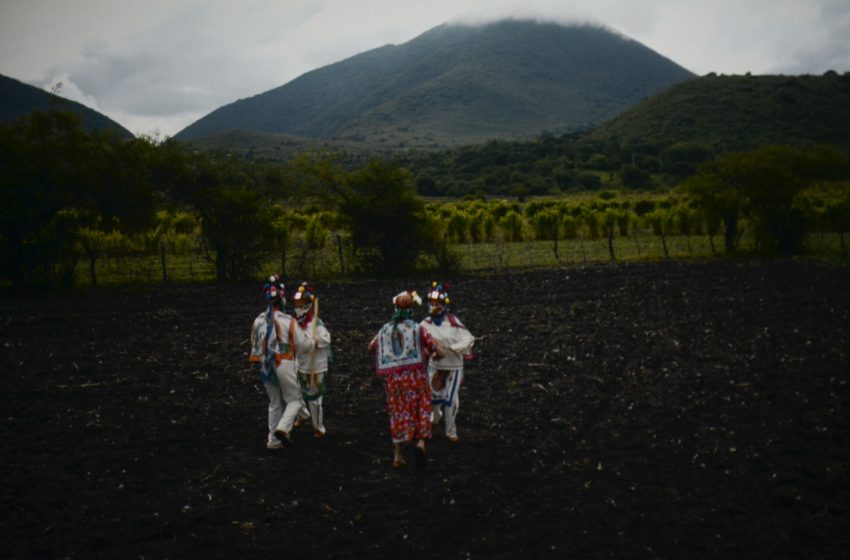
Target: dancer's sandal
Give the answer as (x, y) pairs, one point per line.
(398, 463)
(285, 438)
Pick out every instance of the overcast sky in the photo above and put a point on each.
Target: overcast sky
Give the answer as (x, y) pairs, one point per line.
(158, 65)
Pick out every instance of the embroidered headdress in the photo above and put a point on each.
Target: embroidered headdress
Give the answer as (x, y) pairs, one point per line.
(404, 302)
(275, 293)
(406, 299)
(274, 289)
(303, 300)
(304, 296)
(438, 294)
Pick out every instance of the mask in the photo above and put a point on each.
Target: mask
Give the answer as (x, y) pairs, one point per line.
(301, 311)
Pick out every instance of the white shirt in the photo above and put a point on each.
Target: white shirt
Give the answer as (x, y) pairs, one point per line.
(304, 347)
(455, 339)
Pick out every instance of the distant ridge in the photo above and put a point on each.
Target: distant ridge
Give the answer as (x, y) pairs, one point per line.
(738, 113)
(459, 84)
(18, 99)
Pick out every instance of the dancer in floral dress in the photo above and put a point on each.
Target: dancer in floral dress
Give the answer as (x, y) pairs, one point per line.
(402, 349)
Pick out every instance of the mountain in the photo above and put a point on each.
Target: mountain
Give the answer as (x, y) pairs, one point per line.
(728, 113)
(458, 84)
(18, 99)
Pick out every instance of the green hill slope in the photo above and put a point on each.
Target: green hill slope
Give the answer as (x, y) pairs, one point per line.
(728, 113)
(458, 84)
(18, 99)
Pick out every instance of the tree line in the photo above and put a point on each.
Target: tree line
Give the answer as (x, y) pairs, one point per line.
(63, 192)
(66, 196)
(552, 165)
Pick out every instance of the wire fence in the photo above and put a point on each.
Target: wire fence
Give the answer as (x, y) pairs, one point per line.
(335, 261)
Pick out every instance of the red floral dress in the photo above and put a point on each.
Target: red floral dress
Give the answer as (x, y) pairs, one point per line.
(401, 354)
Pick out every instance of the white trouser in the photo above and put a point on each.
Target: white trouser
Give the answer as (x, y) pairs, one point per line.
(315, 405)
(284, 400)
(445, 402)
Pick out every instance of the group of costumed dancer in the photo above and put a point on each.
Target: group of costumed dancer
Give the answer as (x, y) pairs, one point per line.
(421, 365)
(293, 353)
(422, 368)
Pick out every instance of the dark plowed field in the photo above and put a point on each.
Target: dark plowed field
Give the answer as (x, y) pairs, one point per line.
(650, 411)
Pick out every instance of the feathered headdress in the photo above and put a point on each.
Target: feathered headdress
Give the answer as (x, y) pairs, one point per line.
(406, 299)
(305, 294)
(439, 293)
(274, 288)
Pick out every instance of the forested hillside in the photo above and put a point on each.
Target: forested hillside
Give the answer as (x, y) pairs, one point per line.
(18, 99)
(730, 113)
(657, 143)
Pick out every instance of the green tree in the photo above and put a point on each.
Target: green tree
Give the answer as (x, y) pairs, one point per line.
(457, 226)
(281, 234)
(238, 225)
(836, 215)
(547, 226)
(388, 224)
(720, 202)
(661, 222)
(634, 177)
(489, 227)
(609, 226)
(237, 220)
(512, 226)
(476, 226)
(316, 237)
(683, 159)
(763, 185)
(55, 180)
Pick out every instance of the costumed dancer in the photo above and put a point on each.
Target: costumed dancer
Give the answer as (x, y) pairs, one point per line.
(312, 350)
(402, 347)
(272, 346)
(445, 373)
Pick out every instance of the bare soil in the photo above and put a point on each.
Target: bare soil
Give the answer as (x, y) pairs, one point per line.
(670, 410)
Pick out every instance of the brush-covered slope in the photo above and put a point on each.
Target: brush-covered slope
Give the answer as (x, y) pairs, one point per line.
(18, 99)
(459, 84)
(739, 112)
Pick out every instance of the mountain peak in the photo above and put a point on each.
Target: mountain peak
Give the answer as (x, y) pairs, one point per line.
(460, 83)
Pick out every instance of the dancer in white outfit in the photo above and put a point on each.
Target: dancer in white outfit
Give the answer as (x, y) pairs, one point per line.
(272, 346)
(445, 373)
(312, 350)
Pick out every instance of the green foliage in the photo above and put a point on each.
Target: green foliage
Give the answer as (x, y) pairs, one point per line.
(388, 224)
(512, 226)
(635, 178)
(661, 141)
(680, 230)
(55, 180)
(763, 185)
(457, 227)
(547, 224)
(237, 225)
(713, 114)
